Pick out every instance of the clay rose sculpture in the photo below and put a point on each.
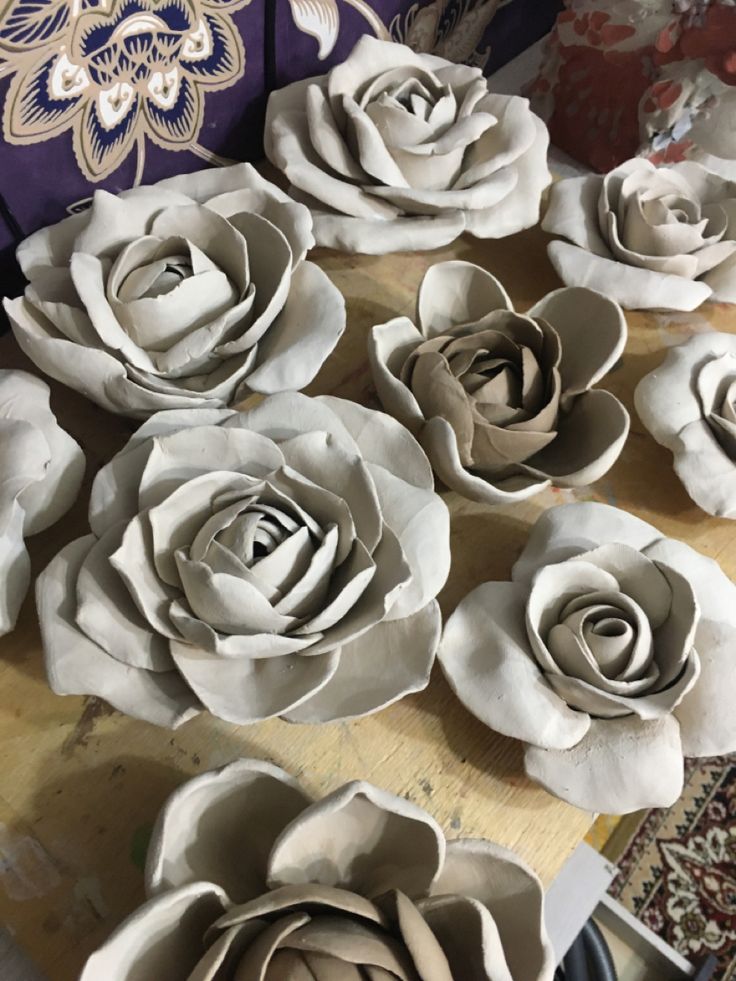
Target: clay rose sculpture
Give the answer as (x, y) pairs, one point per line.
(610, 653)
(649, 237)
(41, 470)
(279, 561)
(249, 878)
(689, 405)
(396, 150)
(502, 402)
(190, 293)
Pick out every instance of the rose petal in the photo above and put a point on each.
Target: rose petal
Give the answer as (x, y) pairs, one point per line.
(633, 288)
(378, 237)
(292, 897)
(302, 335)
(706, 471)
(722, 281)
(77, 666)
(50, 246)
(485, 655)
(454, 293)
(165, 936)
(587, 354)
(468, 936)
(363, 839)
(571, 529)
(590, 438)
(244, 807)
(391, 660)
(622, 765)
(708, 727)
(572, 212)
(389, 345)
(503, 143)
(107, 614)
(512, 893)
(439, 441)
(15, 565)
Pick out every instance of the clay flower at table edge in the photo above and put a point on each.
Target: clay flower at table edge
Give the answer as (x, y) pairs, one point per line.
(398, 150)
(359, 881)
(41, 471)
(189, 293)
(610, 654)
(649, 237)
(502, 402)
(688, 404)
(277, 561)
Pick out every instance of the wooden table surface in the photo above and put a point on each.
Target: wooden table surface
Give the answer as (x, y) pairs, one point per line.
(80, 785)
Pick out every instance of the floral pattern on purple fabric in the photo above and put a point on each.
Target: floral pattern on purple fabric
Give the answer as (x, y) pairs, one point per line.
(115, 72)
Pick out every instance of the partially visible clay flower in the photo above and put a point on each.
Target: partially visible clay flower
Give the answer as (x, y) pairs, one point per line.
(190, 293)
(610, 653)
(689, 405)
(41, 470)
(279, 561)
(503, 402)
(649, 237)
(250, 879)
(396, 150)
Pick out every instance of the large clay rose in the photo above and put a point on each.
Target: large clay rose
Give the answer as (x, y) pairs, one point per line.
(189, 293)
(649, 237)
(251, 879)
(689, 406)
(41, 469)
(280, 561)
(396, 150)
(502, 401)
(611, 653)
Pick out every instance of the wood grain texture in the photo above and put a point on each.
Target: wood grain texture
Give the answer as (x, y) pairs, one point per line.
(80, 785)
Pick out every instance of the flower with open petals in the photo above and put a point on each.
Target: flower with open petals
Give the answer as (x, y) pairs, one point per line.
(41, 470)
(190, 293)
(279, 561)
(395, 150)
(649, 237)
(689, 405)
(249, 878)
(610, 653)
(502, 402)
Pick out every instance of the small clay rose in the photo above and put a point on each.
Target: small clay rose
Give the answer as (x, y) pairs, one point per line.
(249, 878)
(649, 237)
(502, 402)
(610, 654)
(395, 150)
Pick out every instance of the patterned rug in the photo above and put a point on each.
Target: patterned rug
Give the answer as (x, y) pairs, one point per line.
(678, 867)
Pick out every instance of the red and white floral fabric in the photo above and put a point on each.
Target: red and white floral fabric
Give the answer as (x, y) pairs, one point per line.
(649, 77)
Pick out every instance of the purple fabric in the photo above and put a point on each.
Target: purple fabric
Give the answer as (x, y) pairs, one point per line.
(40, 181)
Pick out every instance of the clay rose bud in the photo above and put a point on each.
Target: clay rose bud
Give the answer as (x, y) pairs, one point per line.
(248, 877)
(502, 402)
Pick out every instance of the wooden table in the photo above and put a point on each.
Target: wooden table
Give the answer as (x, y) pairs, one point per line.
(80, 785)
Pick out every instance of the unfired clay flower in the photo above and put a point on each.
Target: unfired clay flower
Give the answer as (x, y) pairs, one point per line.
(41, 470)
(610, 653)
(689, 405)
(396, 150)
(248, 878)
(649, 237)
(190, 293)
(502, 402)
(280, 561)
